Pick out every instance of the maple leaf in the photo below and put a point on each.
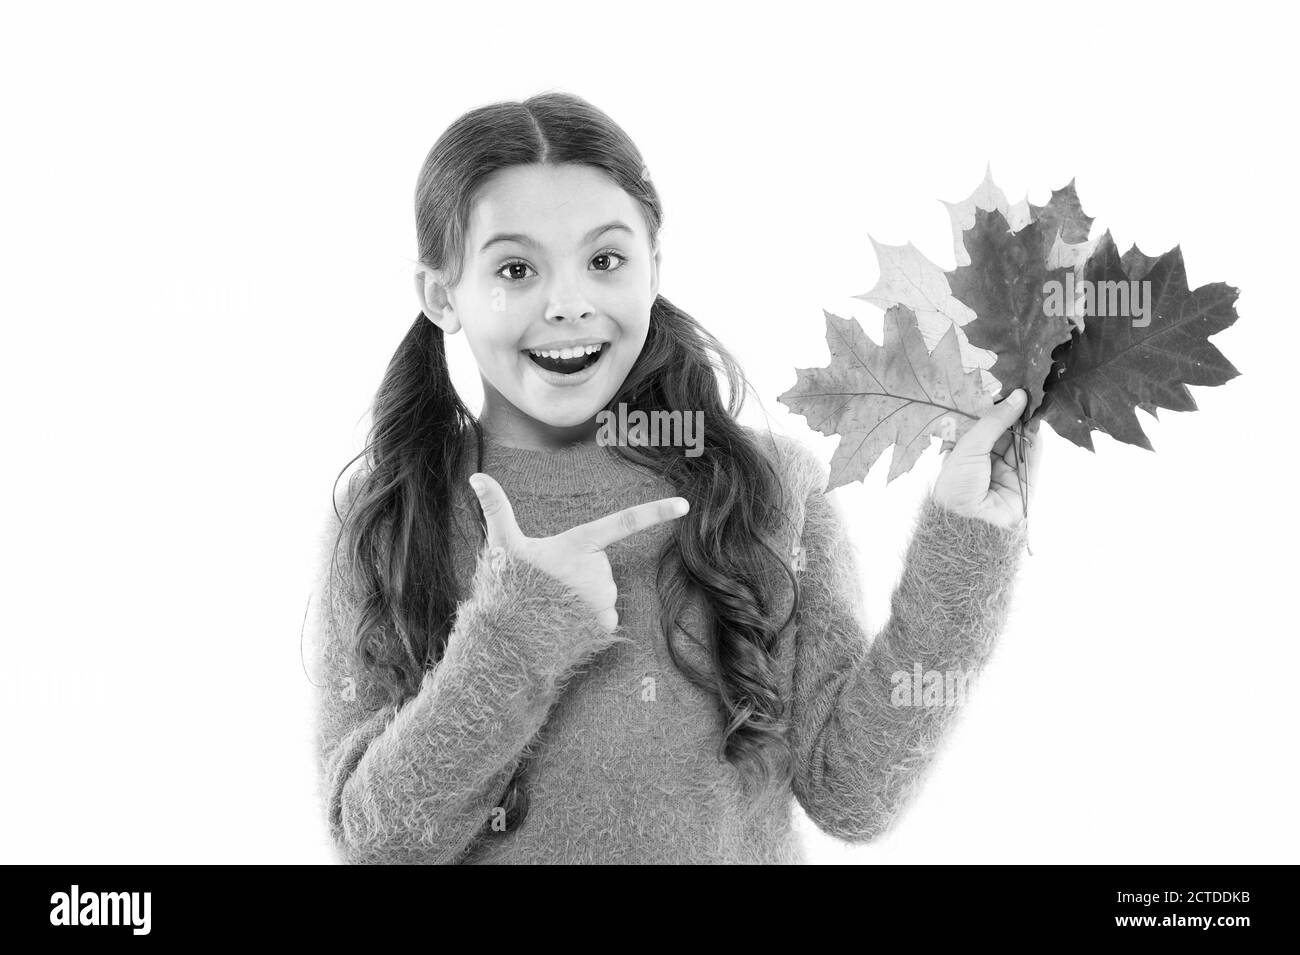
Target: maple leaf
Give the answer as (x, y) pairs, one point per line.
(1066, 255)
(988, 197)
(1065, 233)
(1137, 263)
(1020, 214)
(876, 396)
(1063, 215)
(908, 278)
(1114, 365)
(1005, 286)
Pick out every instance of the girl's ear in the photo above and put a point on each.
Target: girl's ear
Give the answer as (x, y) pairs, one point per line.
(435, 301)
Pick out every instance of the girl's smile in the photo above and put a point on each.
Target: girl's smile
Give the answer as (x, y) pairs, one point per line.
(568, 365)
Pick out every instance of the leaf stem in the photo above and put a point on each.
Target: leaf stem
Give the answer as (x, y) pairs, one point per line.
(1021, 458)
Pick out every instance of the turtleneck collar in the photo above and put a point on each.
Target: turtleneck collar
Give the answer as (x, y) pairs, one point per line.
(578, 468)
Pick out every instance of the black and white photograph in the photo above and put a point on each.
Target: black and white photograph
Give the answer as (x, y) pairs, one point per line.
(682, 434)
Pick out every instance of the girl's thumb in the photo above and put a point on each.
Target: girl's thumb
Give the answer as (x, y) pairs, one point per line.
(497, 512)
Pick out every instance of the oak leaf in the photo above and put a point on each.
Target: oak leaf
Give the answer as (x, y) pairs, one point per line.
(875, 397)
(1122, 362)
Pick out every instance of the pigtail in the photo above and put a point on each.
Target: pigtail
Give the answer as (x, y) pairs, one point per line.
(399, 526)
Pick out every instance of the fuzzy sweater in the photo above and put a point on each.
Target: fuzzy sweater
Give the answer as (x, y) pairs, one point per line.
(621, 748)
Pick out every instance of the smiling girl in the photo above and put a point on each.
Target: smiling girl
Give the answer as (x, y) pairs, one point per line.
(599, 653)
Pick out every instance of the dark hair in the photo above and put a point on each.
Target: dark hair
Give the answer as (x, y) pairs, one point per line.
(399, 526)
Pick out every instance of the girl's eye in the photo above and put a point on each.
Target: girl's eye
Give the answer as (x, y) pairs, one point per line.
(622, 260)
(514, 264)
(599, 257)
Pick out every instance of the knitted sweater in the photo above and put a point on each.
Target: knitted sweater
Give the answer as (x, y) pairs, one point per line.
(621, 749)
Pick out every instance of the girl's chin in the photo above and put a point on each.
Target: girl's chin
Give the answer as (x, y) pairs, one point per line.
(562, 411)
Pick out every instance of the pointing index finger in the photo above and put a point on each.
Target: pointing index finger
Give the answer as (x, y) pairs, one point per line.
(612, 528)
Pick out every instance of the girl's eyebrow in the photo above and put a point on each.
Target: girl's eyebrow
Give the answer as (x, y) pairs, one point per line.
(531, 242)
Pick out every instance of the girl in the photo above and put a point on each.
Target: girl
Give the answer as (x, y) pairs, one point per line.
(614, 653)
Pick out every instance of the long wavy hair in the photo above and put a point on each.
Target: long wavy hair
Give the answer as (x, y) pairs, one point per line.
(397, 532)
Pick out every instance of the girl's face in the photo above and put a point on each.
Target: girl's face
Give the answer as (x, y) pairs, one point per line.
(558, 258)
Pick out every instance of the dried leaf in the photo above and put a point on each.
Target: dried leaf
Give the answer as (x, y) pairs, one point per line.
(1005, 286)
(908, 278)
(894, 395)
(1063, 215)
(1065, 232)
(998, 307)
(1117, 364)
(1020, 215)
(987, 196)
(1136, 263)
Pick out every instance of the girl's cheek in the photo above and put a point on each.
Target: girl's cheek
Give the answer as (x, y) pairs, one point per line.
(503, 321)
(631, 310)
(501, 300)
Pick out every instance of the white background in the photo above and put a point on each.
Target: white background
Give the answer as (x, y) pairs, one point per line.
(207, 242)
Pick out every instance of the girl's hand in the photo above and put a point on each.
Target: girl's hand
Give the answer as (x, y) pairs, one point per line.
(978, 477)
(577, 556)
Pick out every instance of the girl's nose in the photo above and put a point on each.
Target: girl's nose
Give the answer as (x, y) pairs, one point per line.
(570, 310)
(567, 303)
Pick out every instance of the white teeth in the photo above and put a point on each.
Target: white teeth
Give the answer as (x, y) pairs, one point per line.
(566, 352)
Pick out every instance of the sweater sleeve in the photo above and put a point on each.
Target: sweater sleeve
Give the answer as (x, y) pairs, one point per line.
(417, 782)
(862, 740)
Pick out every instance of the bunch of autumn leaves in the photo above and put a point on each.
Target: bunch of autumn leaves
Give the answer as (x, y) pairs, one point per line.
(1035, 296)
